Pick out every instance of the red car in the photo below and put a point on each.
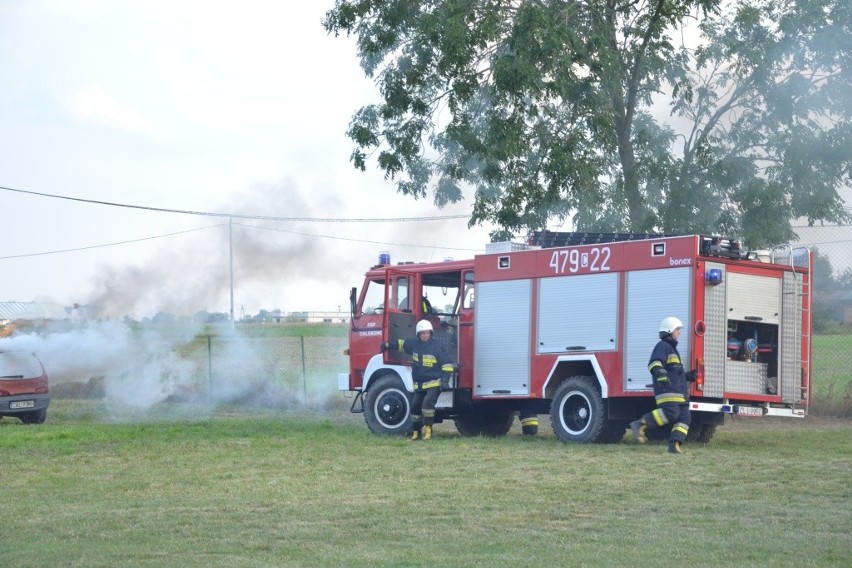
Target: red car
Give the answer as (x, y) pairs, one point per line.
(23, 387)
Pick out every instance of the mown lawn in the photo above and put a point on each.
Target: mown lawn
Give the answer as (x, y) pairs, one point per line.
(242, 487)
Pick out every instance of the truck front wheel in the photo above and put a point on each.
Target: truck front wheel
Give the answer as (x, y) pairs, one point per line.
(388, 407)
(578, 412)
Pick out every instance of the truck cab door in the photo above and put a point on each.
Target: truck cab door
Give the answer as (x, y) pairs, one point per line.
(399, 315)
(466, 331)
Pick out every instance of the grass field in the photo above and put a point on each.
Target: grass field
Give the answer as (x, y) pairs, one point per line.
(254, 488)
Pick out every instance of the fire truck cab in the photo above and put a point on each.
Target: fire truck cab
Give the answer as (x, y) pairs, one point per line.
(565, 326)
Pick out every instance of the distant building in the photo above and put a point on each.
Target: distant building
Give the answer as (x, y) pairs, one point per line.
(33, 311)
(318, 317)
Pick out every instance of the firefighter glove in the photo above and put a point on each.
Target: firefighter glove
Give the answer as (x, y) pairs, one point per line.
(384, 345)
(692, 375)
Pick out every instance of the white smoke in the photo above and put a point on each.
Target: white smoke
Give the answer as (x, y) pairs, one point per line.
(139, 368)
(193, 273)
(136, 368)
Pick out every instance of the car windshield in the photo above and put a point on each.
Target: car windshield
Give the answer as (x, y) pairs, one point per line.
(19, 365)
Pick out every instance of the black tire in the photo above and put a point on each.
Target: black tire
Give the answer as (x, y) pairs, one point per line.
(34, 416)
(387, 409)
(660, 434)
(492, 421)
(703, 433)
(578, 412)
(613, 432)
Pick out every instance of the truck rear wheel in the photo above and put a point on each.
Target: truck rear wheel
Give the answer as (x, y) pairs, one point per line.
(489, 421)
(578, 412)
(701, 433)
(659, 434)
(613, 432)
(388, 407)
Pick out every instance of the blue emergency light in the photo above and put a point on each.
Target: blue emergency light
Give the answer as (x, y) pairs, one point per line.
(714, 276)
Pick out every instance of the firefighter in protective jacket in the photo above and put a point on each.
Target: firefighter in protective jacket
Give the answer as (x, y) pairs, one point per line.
(431, 369)
(671, 389)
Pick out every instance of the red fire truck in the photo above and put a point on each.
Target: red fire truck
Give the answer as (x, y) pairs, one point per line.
(565, 326)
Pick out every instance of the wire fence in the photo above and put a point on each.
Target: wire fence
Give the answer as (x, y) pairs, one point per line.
(832, 318)
(297, 372)
(300, 373)
(274, 371)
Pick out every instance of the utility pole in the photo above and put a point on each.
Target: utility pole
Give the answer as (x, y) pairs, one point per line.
(231, 249)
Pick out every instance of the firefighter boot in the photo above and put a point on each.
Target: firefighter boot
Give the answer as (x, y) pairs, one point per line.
(675, 447)
(415, 434)
(638, 427)
(427, 432)
(529, 426)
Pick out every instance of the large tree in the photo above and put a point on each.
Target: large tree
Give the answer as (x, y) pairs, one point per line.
(591, 110)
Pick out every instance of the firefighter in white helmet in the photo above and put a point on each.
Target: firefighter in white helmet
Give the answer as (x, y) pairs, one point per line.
(671, 387)
(431, 369)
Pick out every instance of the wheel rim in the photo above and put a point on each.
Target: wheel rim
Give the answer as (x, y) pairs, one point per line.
(391, 408)
(575, 413)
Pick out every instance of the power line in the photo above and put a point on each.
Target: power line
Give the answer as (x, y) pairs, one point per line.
(131, 241)
(240, 216)
(110, 244)
(829, 242)
(355, 240)
(840, 226)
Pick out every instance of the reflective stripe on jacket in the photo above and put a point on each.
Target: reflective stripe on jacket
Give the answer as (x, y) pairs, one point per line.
(666, 363)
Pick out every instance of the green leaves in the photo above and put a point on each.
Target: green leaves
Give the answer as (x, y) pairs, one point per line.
(553, 110)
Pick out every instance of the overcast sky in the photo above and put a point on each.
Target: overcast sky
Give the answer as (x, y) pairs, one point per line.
(203, 106)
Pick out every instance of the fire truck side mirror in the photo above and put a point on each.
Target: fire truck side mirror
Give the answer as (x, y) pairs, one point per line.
(353, 297)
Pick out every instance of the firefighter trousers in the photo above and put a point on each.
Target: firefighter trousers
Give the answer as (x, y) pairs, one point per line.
(674, 413)
(423, 407)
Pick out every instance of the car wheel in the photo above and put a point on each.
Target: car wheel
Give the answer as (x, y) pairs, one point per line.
(34, 416)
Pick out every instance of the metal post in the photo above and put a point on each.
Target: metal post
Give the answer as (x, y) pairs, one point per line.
(304, 372)
(209, 365)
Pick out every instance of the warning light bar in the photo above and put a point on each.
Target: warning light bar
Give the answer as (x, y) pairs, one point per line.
(721, 247)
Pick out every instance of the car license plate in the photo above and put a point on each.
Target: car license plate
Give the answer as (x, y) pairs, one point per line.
(22, 404)
(749, 411)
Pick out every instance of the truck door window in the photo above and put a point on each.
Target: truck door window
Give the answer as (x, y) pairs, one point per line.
(400, 297)
(442, 299)
(468, 291)
(374, 298)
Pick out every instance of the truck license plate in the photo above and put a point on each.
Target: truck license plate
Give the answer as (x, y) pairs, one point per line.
(22, 404)
(749, 411)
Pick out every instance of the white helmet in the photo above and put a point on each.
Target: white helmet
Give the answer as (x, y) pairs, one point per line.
(670, 324)
(423, 325)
